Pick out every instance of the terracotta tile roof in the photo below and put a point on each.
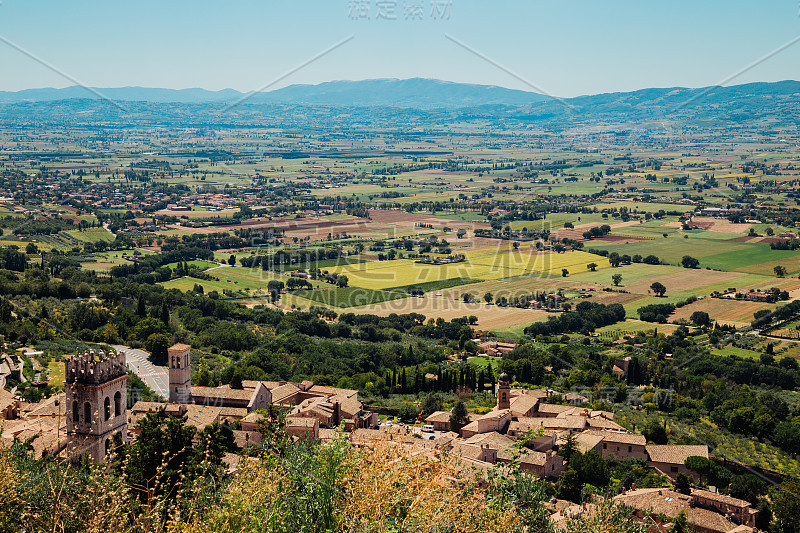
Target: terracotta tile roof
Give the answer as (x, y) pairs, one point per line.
(724, 498)
(180, 347)
(494, 440)
(670, 504)
(201, 416)
(469, 451)
(577, 423)
(520, 427)
(674, 453)
(349, 406)
(6, 398)
(523, 404)
(367, 436)
(659, 501)
(268, 384)
(553, 408)
(472, 426)
(283, 392)
(445, 440)
(534, 458)
(53, 406)
(48, 436)
(253, 417)
(495, 415)
(583, 441)
(226, 393)
(575, 397)
(332, 391)
(146, 407)
(326, 434)
(602, 423)
(618, 437)
(233, 412)
(438, 416)
(300, 421)
(536, 393)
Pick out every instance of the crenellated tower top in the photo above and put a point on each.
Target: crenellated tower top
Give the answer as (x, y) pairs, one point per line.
(95, 367)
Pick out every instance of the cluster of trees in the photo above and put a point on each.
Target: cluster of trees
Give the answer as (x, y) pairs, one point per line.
(441, 378)
(597, 231)
(780, 314)
(587, 317)
(11, 259)
(764, 415)
(283, 258)
(152, 268)
(294, 283)
(690, 262)
(49, 226)
(656, 312)
(790, 244)
(636, 258)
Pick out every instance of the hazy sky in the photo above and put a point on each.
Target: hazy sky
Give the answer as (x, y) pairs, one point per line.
(565, 47)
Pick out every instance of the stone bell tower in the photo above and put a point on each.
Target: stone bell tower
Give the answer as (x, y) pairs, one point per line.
(503, 391)
(180, 374)
(96, 393)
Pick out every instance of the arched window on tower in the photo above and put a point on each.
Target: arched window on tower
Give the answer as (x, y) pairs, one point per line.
(87, 413)
(107, 408)
(75, 412)
(108, 446)
(117, 403)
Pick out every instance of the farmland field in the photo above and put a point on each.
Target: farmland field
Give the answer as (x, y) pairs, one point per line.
(490, 317)
(56, 373)
(350, 296)
(724, 310)
(196, 263)
(616, 241)
(480, 265)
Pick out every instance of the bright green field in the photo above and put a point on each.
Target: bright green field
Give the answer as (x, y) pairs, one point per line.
(243, 281)
(437, 285)
(756, 258)
(484, 362)
(197, 263)
(350, 296)
(733, 350)
(91, 235)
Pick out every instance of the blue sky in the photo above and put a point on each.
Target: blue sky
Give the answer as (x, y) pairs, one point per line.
(565, 47)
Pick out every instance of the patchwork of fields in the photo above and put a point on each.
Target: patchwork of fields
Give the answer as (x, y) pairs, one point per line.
(479, 265)
(492, 266)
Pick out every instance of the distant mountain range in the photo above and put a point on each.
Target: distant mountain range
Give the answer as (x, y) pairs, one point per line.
(416, 93)
(412, 103)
